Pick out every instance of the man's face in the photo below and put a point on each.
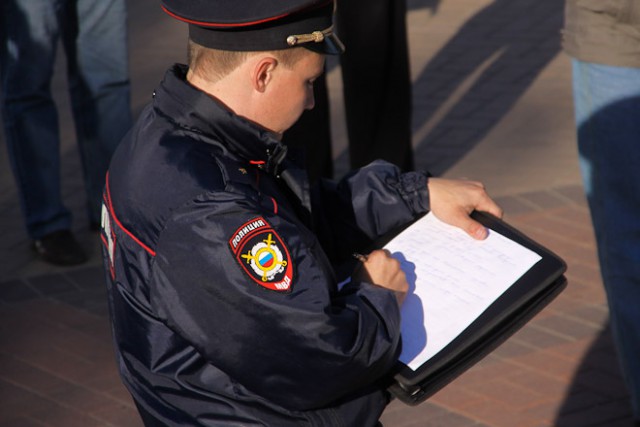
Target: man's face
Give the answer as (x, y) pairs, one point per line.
(292, 92)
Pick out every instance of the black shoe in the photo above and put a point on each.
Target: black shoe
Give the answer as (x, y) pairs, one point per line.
(60, 248)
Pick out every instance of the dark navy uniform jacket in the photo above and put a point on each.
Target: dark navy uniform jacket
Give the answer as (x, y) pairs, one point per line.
(222, 273)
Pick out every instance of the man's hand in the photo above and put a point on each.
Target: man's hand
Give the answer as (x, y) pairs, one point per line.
(381, 269)
(453, 200)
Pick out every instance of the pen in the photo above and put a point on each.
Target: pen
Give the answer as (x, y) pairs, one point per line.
(360, 257)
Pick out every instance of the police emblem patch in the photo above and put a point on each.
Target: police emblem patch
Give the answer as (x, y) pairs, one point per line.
(262, 255)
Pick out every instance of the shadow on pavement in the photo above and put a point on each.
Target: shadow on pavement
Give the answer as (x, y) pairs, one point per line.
(475, 79)
(597, 395)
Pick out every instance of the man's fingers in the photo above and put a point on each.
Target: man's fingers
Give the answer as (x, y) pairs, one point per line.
(452, 201)
(488, 205)
(472, 227)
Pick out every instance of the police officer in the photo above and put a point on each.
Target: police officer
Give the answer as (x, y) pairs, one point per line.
(223, 265)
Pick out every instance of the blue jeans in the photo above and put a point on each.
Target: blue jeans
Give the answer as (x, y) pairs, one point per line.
(94, 36)
(607, 102)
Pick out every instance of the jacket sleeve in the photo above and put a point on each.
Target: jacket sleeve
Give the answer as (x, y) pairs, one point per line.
(300, 347)
(365, 205)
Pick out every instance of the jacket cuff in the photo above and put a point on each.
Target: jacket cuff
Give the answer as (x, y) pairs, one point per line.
(414, 190)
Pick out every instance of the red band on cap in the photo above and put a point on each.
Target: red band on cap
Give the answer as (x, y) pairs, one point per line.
(211, 24)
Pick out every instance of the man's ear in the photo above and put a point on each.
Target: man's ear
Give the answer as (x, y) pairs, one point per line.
(263, 72)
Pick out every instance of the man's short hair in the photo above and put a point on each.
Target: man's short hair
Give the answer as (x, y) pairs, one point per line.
(216, 63)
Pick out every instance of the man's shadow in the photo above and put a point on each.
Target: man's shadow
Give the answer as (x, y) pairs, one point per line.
(479, 74)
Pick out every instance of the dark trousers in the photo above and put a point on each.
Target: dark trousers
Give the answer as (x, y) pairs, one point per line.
(377, 91)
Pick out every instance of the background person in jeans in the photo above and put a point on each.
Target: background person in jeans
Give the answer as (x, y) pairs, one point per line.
(94, 36)
(603, 37)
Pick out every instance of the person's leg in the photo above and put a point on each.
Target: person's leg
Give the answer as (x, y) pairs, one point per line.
(376, 81)
(30, 116)
(95, 39)
(607, 103)
(377, 91)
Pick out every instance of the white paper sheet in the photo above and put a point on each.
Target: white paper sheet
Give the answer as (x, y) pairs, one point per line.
(453, 279)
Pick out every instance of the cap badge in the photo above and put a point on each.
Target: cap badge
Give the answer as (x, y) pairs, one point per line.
(316, 37)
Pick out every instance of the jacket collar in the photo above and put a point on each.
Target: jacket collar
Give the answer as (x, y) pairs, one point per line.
(190, 108)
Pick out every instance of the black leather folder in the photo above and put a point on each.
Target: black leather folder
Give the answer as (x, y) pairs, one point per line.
(512, 310)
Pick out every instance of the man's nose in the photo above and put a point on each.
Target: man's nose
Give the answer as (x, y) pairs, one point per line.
(311, 102)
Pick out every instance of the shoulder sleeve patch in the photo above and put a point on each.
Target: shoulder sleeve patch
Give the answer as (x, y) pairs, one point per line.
(263, 255)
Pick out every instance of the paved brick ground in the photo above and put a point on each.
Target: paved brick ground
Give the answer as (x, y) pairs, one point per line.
(492, 102)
